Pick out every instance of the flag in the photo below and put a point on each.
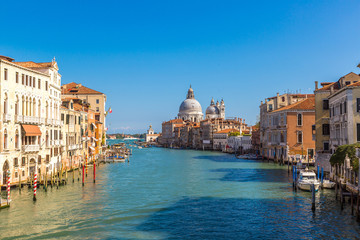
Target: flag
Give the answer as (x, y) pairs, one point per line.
(108, 111)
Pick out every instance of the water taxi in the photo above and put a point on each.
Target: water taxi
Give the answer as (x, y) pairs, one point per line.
(306, 179)
(328, 184)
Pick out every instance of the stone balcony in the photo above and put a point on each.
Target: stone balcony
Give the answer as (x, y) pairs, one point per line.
(19, 118)
(6, 117)
(30, 148)
(72, 147)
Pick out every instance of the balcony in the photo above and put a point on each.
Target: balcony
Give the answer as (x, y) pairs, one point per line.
(7, 117)
(30, 148)
(42, 120)
(72, 147)
(48, 121)
(31, 119)
(19, 118)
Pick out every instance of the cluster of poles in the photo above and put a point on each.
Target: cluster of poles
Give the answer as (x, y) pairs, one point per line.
(55, 179)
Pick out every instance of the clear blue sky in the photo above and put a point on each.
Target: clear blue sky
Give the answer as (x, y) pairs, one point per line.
(144, 54)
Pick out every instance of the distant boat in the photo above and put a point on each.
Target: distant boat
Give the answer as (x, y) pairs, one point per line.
(328, 184)
(131, 138)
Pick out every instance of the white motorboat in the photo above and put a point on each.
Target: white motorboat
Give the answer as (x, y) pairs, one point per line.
(328, 184)
(306, 179)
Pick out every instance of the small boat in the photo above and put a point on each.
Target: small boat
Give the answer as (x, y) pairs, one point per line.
(306, 179)
(328, 184)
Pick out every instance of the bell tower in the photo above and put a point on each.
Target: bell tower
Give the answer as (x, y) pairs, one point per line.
(222, 109)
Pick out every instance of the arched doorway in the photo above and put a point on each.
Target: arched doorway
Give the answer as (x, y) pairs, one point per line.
(5, 169)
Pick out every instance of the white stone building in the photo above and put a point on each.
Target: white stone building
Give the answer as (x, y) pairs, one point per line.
(30, 120)
(150, 135)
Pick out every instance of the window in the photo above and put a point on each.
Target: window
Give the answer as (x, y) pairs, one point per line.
(33, 82)
(16, 162)
(325, 104)
(46, 85)
(341, 108)
(326, 129)
(27, 80)
(17, 77)
(347, 83)
(270, 107)
(283, 99)
(23, 162)
(299, 137)
(39, 159)
(22, 79)
(97, 109)
(5, 74)
(62, 117)
(299, 119)
(39, 83)
(345, 105)
(30, 81)
(97, 101)
(67, 118)
(358, 104)
(358, 131)
(326, 146)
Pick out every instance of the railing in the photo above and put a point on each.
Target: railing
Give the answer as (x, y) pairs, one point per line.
(72, 147)
(31, 119)
(7, 117)
(30, 148)
(42, 120)
(48, 121)
(19, 118)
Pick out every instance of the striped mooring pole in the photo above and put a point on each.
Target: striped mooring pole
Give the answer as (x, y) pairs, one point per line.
(8, 188)
(86, 166)
(35, 185)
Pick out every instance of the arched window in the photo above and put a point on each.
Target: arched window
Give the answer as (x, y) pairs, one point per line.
(47, 139)
(299, 119)
(39, 109)
(23, 106)
(5, 139)
(17, 139)
(17, 106)
(6, 104)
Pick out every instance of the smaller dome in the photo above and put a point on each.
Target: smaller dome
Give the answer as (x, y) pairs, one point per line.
(212, 110)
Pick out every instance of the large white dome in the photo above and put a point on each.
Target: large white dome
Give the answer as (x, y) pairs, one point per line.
(190, 106)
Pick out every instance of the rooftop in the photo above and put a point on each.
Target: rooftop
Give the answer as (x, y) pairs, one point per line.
(306, 104)
(77, 89)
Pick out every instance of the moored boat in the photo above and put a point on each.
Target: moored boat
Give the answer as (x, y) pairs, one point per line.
(306, 179)
(328, 184)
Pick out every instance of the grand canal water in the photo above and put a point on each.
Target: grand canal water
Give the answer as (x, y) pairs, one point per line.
(178, 194)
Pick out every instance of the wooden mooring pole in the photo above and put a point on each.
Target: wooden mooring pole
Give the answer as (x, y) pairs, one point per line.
(313, 197)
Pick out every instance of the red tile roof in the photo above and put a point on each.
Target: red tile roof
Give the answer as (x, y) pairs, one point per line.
(31, 64)
(77, 89)
(229, 130)
(306, 104)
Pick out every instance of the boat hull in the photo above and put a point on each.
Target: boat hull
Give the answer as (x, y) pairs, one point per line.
(307, 186)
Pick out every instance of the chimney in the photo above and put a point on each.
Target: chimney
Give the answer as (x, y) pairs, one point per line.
(332, 89)
(316, 85)
(262, 102)
(277, 94)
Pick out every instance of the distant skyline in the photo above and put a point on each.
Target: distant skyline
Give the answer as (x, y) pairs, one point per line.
(144, 55)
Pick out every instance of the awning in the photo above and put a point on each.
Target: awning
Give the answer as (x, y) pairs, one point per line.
(31, 130)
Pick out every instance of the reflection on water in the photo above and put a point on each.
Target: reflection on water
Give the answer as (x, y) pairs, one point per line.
(178, 194)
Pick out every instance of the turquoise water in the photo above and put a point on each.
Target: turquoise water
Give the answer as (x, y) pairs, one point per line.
(178, 194)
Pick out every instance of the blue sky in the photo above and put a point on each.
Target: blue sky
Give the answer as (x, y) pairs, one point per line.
(145, 54)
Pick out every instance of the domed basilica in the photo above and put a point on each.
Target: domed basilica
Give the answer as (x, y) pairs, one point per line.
(190, 109)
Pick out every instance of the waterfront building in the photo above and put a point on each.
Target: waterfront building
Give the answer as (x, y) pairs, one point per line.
(210, 126)
(190, 108)
(220, 139)
(255, 139)
(289, 131)
(96, 99)
(240, 143)
(215, 110)
(30, 120)
(168, 135)
(330, 135)
(271, 104)
(72, 116)
(150, 135)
